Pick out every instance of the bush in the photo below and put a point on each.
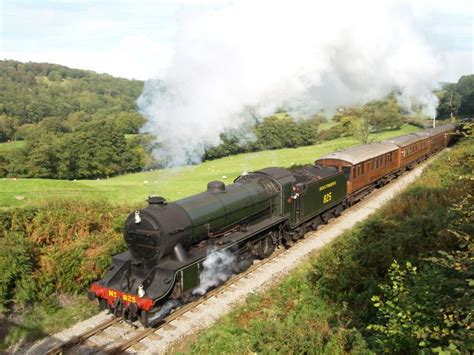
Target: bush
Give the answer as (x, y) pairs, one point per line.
(430, 306)
(54, 249)
(59, 248)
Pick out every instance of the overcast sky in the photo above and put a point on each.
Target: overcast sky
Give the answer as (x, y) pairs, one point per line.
(136, 38)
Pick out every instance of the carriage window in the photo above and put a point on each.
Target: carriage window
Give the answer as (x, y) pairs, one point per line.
(347, 171)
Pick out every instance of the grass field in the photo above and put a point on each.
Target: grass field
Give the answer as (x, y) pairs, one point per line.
(173, 184)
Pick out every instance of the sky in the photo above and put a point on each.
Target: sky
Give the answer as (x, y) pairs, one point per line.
(137, 38)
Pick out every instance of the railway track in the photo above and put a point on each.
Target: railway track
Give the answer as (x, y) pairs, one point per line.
(61, 348)
(143, 333)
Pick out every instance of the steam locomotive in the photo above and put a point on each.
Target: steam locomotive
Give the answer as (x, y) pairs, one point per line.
(168, 243)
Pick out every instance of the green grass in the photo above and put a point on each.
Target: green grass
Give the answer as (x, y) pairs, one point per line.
(173, 183)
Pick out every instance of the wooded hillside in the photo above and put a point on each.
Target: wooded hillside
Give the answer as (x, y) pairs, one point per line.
(74, 122)
(30, 92)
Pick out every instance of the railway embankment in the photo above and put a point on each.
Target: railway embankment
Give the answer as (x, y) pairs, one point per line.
(400, 281)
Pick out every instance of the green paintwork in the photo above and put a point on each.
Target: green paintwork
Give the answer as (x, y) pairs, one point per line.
(215, 211)
(287, 207)
(317, 198)
(190, 276)
(311, 200)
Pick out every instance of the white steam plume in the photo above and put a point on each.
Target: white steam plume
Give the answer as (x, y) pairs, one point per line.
(242, 61)
(218, 268)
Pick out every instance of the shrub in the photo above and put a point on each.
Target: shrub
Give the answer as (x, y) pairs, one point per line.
(59, 248)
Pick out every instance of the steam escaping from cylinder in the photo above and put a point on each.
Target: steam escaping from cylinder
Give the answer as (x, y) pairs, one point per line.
(164, 310)
(218, 267)
(238, 62)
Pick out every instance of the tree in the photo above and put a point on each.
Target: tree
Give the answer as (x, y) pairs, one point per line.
(54, 76)
(129, 122)
(275, 133)
(363, 126)
(42, 153)
(374, 116)
(449, 103)
(27, 131)
(457, 98)
(53, 125)
(8, 127)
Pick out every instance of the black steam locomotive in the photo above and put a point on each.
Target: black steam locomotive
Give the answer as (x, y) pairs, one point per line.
(168, 243)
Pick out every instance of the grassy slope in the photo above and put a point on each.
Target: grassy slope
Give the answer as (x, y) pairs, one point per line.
(170, 183)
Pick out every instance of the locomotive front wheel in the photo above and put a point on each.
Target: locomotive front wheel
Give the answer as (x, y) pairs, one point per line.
(265, 248)
(144, 318)
(103, 304)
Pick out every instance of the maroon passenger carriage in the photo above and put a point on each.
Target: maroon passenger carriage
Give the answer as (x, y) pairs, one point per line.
(373, 165)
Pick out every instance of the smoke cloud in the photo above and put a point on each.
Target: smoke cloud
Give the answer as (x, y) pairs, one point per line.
(239, 62)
